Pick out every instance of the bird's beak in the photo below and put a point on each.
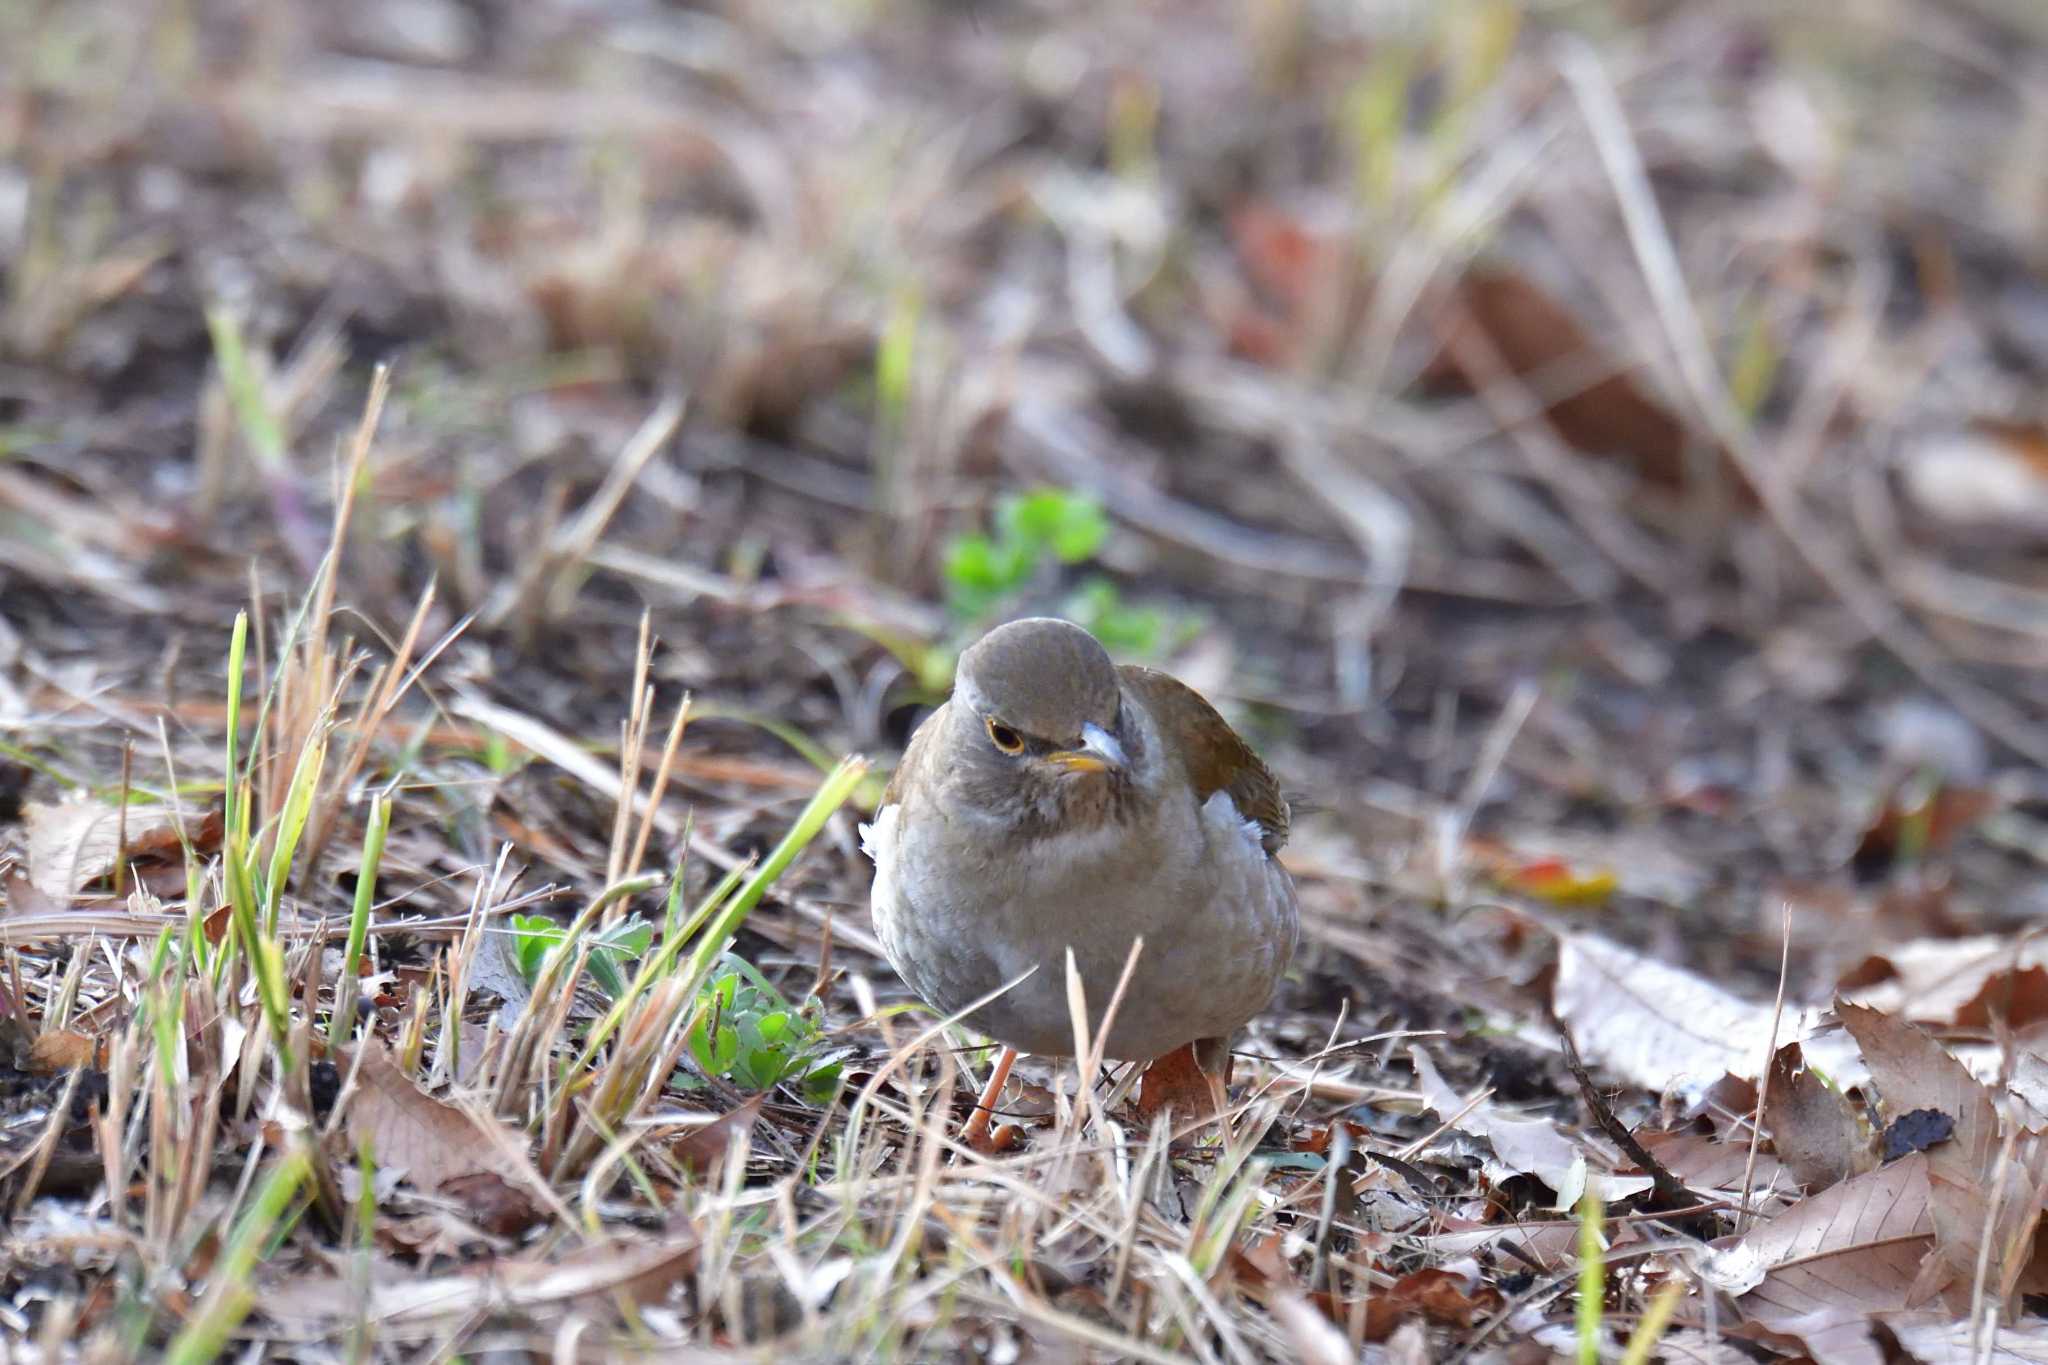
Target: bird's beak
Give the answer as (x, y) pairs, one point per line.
(1099, 752)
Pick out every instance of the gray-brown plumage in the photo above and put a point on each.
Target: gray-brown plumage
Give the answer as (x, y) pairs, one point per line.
(1058, 802)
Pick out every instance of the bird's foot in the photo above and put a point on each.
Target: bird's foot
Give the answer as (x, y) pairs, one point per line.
(976, 1135)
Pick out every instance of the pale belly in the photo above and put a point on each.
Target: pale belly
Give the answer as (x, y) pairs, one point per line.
(1217, 931)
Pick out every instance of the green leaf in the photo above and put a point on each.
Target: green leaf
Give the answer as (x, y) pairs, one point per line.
(534, 936)
(821, 1082)
(1071, 525)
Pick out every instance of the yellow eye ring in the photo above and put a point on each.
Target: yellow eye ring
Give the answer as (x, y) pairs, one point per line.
(1004, 738)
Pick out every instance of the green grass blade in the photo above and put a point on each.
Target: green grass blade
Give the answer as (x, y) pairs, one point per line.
(345, 990)
(206, 1335)
(838, 785)
(298, 807)
(238, 654)
(245, 390)
(1592, 1272)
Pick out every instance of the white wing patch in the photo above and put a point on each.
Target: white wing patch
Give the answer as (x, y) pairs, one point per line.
(1219, 811)
(879, 837)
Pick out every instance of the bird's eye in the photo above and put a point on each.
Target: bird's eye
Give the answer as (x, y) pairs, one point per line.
(1004, 738)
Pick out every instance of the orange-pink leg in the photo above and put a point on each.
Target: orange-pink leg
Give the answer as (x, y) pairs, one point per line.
(976, 1134)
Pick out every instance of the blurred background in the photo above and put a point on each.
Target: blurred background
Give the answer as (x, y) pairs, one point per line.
(1596, 449)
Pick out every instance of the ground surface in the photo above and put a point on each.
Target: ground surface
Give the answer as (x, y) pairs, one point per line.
(1595, 451)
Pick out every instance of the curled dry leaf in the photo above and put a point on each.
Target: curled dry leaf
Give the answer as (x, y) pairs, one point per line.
(1813, 1129)
(1961, 982)
(74, 843)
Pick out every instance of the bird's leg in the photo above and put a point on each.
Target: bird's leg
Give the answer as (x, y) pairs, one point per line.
(976, 1134)
(1212, 1056)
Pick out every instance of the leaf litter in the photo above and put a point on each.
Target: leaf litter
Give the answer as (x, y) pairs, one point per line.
(1363, 484)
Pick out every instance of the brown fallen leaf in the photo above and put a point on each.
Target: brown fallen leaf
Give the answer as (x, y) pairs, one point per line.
(1855, 1247)
(702, 1150)
(74, 843)
(61, 1050)
(499, 1208)
(1960, 982)
(1814, 1131)
(1909, 827)
(1712, 1166)
(1590, 399)
(1443, 1297)
(1913, 1071)
(433, 1141)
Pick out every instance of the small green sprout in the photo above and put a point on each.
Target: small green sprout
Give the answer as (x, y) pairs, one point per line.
(611, 949)
(750, 1034)
(988, 574)
(1034, 533)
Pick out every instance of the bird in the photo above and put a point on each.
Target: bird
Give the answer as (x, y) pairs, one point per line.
(1058, 803)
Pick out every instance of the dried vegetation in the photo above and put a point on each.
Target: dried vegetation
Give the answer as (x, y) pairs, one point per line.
(468, 470)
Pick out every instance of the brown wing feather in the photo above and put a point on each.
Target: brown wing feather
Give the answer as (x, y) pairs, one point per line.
(1219, 760)
(916, 755)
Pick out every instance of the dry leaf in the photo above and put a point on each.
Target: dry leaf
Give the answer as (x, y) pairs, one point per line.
(432, 1140)
(1709, 1165)
(1443, 1297)
(1855, 1247)
(60, 1051)
(1813, 1130)
(1913, 1071)
(1592, 402)
(1521, 1146)
(702, 1150)
(1912, 1338)
(498, 1208)
(1548, 879)
(1956, 982)
(74, 843)
(1667, 1029)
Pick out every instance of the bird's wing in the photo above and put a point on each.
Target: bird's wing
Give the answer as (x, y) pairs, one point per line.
(1218, 758)
(916, 756)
